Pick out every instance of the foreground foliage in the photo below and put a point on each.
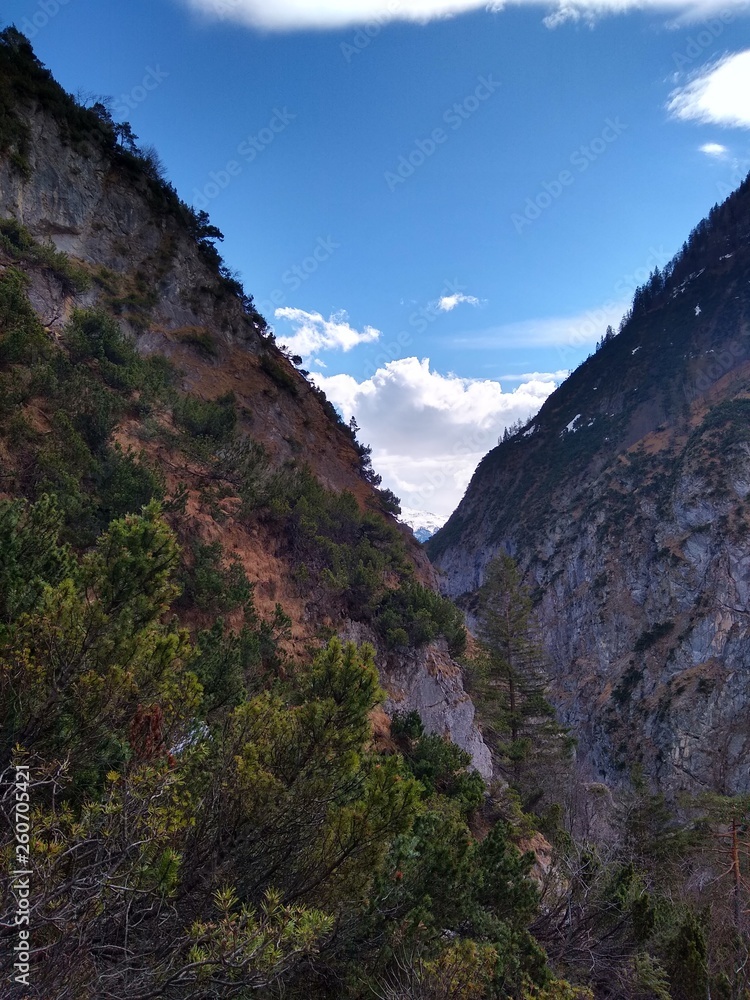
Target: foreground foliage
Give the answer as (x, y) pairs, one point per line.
(509, 676)
(191, 845)
(210, 820)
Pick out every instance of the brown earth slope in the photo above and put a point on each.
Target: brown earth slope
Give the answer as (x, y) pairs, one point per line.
(148, 265)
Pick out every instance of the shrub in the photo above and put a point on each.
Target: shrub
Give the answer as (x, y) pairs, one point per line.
(126, 483)
(21, 246)
(246, 465)
(92, 335)
(281, 375)
(232, 666)
(14, 131)
(651, 636)
(213, 583)
(628, 683)
(22, 336)
(31, 556)
(440, 766)
(422, 615)
(211, 418)
(93, 409)
(199, 338)
(388, 502)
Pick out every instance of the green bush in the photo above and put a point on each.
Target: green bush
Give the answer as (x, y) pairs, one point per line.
(14, 130)
(395, 637)
(93, 409)
(200, 339)
(94, 336)
(439, 765)
(628, 683)
(22, 336)
(421, 615)
(352, 552)
(126, 483)
(214, 419)
(388, 502)
(213, 583)
(651, 636)
(232, 666)
(88, 393)
(281, 375)
(31, 556)
(20, 245)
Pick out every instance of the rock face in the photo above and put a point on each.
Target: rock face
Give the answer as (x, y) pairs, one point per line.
(74, 198)
(625, 501)
(127, 230)
(429, 681)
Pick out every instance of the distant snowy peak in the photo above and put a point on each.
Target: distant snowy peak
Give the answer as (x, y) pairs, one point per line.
(422, 523)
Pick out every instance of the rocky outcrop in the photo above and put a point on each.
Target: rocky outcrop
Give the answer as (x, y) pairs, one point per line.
(625, 502)
(427, 680)
(126, 231)
(116, 224)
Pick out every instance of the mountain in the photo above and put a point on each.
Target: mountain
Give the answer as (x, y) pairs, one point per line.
(239, 436)
(228, 684)
(626, 501)
(422, 523)
(235, 743)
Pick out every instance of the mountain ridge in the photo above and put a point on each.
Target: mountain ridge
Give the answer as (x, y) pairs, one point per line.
(422, 523)
(203, 595)
(627, 524)
(90, 223)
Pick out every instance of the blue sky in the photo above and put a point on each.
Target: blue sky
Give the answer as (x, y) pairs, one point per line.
(483, 190)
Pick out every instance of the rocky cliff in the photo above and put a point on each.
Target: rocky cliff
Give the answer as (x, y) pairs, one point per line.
(74, 189)
(625, 501)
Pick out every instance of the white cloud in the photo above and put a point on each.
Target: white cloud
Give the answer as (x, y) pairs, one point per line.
(313, 333)
(552, 331)
(449, 302)
(291, 15)
(718, 94)
(428, 431)
(558, 376)
(714, 149)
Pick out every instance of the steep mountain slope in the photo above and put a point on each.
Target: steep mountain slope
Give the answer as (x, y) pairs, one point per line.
(626, 502)
(249, 455)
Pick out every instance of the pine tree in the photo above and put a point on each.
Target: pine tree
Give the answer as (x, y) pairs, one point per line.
(510, 678)
(724, 840)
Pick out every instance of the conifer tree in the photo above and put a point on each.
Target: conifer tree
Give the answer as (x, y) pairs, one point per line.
(510, 676)
(724, 841)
